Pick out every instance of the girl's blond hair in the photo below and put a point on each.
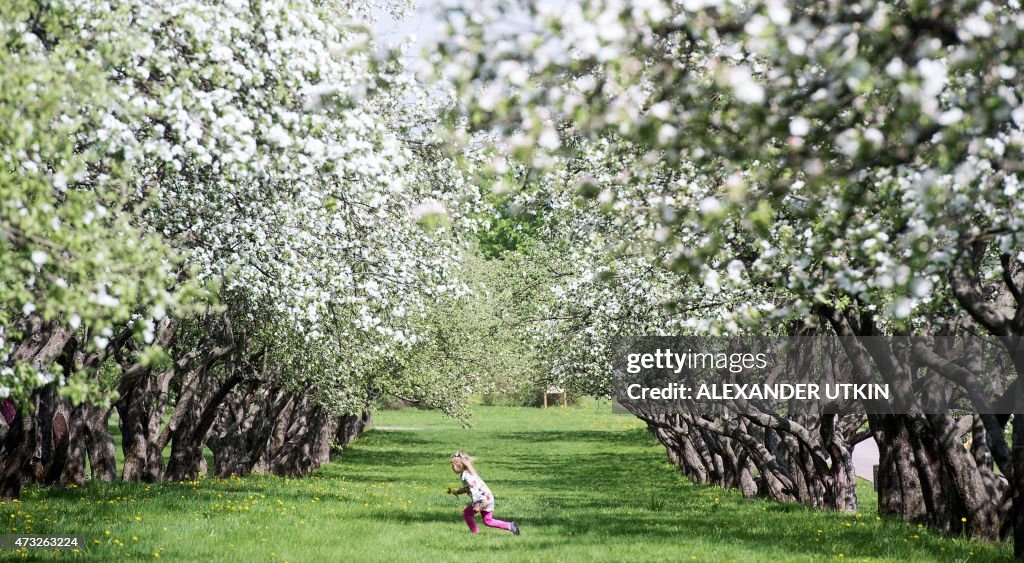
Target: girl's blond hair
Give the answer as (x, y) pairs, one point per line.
(466, 461)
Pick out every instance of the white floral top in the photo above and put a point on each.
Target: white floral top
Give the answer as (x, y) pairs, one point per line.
(479, 491)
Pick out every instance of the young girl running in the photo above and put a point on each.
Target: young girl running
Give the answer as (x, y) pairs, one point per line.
(482, 498)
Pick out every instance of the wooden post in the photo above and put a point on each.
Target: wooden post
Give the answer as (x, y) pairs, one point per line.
(555, 391)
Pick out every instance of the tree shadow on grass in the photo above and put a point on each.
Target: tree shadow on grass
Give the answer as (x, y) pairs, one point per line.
(568, 480)
(597, 529)
(721, 526)
(579, 471)
(628, 438)
(395, 438)
(593, 492)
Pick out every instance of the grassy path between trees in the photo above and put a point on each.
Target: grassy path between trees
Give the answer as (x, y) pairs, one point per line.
(583, 484)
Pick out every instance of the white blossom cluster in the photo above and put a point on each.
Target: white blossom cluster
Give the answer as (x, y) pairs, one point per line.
(267, 150)
(614, 274)
(264, 153)
(828, 154)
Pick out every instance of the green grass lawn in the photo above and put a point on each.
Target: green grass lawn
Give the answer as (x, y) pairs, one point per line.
(583, 484)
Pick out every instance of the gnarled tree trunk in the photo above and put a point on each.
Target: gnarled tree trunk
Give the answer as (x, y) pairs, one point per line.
(99, 444)
(28, 450)
(351, 426)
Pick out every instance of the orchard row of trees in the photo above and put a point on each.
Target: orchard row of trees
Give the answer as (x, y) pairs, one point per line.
(239, 223)
(229, 223)
(779, 168)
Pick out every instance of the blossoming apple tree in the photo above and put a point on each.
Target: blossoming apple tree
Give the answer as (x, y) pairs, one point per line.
(852, 166)
(271, 172)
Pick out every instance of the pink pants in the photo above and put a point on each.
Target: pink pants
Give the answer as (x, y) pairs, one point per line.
(489, 520)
